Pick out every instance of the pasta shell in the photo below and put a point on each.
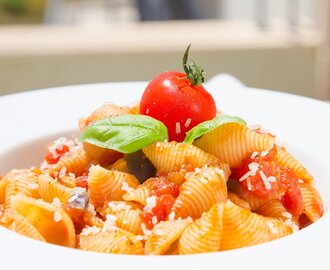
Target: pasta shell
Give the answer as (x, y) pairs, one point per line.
(273, 208)
(254, 201)
(140, 194)
(3, 185)
(115, 241)
(105, 185)
(119, 165)
(102, 155)
(163, 235)
(135, 109)
(105, 111)
(202, 189)
(172, 156)
(19, 181)
(204, 235)
(22, 226)
(76, 163)
(128, 218)
(50, 189)
(243, 228)
(52, 222)
(312, 202)
(238, 201)
(233, 142)
(283, 158)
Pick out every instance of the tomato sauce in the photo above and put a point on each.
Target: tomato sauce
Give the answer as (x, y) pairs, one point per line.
(52, 157)
(271, 180)
(82, 181)
(166, 192)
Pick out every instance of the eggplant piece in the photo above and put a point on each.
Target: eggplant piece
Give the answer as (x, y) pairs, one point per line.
(140, 166)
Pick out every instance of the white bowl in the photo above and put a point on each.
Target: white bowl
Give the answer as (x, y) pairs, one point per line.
(29, 121)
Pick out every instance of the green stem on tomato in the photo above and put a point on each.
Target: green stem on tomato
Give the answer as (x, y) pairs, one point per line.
(194, 72)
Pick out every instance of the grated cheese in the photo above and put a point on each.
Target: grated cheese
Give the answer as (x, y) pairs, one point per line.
(90, 230)
(56, 202)
(264, 153)
(177, 128)
(150, 203)
(187, 123)
(57, 217)
(287, 215)
(126, 187)
(33, 186)
(254, 154)
(154, 220)
(265, 180)
(171, 216)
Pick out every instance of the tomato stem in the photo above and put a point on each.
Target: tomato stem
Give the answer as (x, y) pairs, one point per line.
(194, 72)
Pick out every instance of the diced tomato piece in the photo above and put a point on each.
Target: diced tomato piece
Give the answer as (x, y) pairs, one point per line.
(160, 186)
(292, 199)
(52, 157)
(162, 209)
(270, 180)
(82, 181)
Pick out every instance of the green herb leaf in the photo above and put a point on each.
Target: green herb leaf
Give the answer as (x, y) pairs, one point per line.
(210, 125)
(125, 133)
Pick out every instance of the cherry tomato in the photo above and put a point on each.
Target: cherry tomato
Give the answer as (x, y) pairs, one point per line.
(179, 100)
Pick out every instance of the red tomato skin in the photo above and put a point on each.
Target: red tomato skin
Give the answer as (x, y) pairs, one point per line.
(172, 99)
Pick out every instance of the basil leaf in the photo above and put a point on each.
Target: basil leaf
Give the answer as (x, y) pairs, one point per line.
(210, 125)
(125, 133)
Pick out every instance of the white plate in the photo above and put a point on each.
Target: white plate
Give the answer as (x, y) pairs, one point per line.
(29, 120)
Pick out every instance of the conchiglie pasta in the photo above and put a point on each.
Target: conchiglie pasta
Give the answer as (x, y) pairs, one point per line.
(312, 202)
(119, 165)
(23, 227)
(140, 194)
(3, 185)
(105, 111)
(233, 142)
(163, 235)
(202, 189)
(76, 163)
(283, 158)
(19, 182)
(115, 241)
(99, 154)
(50, 189)
(238, 201)
(172, 156)
(243, 228)
(273, 208)
(135, 108)
(253, 201)
(128, 216)
(52, 222)
(106, 185)
(204, 235)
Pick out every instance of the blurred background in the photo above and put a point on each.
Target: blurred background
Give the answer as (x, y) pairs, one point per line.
(282, 45)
